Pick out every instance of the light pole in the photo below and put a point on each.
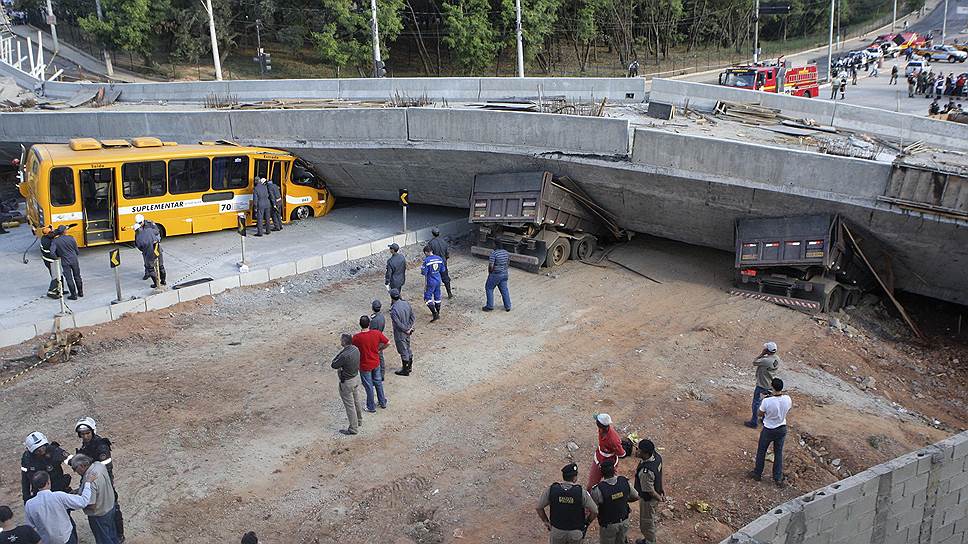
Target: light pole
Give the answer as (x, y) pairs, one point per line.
(258, 47)
(108, 65)
(830, 46)
(52, 21)
(944, 22)
(894, 18)
(517, 9)
(377, 62)
(756, 33)
(211, 30)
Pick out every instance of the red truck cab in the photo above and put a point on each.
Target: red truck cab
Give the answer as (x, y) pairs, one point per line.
(773, 78)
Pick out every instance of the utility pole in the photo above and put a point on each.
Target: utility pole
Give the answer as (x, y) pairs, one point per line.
(894, 18)
(52, 21)
(756, 33)
(108, 65)
(944, 22)
(520, 40)
(377, 61)
(830, 46)
(258, 44)
(211, 30)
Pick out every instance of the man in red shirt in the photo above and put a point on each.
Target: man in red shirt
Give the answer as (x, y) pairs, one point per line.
(371, 343)
(609, 448)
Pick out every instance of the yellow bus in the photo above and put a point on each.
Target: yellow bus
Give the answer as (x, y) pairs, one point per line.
(97, 187)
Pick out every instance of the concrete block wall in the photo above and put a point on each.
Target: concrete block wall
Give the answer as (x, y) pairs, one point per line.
(96, 316)
(918, 498)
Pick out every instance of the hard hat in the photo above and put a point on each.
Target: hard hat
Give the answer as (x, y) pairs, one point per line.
(604, 419)
(139, 218)
(86, 424)
(770, 346)
(35, 440)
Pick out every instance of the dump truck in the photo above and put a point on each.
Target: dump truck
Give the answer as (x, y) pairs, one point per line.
(539, 220)
(804, 262)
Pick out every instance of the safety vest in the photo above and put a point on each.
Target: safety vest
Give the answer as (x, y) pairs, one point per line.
(567, 510)
(655, 467)
(615, 501)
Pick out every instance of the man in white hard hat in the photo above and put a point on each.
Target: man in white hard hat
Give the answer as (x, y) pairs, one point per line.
(147, 234)
(766, 365)
(609, 448)
(46, 456)
(98, 448)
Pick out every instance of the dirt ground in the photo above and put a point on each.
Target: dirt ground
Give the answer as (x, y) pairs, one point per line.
(224, 412)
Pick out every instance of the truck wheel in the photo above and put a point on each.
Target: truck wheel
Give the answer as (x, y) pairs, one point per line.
(835, 300)
(583, 247)
(558, 253)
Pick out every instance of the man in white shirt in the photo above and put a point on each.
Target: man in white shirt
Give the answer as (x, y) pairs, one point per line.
(774, 410)
(48, 512)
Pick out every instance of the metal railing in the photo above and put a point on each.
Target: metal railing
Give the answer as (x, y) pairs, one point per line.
(32, 64)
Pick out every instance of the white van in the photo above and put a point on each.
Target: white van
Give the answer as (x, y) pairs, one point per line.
(916, 65)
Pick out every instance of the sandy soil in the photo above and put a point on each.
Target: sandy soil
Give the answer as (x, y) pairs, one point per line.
(224, 412)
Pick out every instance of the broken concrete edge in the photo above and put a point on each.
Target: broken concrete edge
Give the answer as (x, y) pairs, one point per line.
(12, 336)
(921, 494)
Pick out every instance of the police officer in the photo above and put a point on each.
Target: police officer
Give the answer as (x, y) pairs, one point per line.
(99, 448)
(146, 235)
(613, 495)
(42, 455)
(648, 483)
(261, 204)
(53, 290)
(396, 274)
(441, 249)
(378, 322)
(567, 502)
(401, 315)
(431, 268)
(275, 195)
(64, 247)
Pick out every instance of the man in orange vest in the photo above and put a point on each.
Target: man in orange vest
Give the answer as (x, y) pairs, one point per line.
(609, 448)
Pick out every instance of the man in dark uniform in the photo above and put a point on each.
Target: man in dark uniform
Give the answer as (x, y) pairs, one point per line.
(442, 250)
(613, 495)
(64, 247)
(567, 502)
(146, 235)
(53, 289)
(275, 195)
(378, 322)
(648, 484)
(261, 204)
(401, 315)
(396, 274)
(98, 448)
(46, 456)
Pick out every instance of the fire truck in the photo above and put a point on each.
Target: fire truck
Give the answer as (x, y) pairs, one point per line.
(773, 77)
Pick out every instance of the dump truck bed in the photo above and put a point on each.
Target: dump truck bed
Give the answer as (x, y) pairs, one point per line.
(785, 241)
(528, 198)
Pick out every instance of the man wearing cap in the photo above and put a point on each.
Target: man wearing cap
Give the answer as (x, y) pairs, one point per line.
(64, 247)
(774, 409)
(440, 248)
(402, 318)
(42, 456)
(567, 503)
(275, 198)
(648, 484)
(378, 322)
(609, 447)
(347, 362)
(146, 235)
(766, 365)
(613, 495)
(261, 204)
(396, 274)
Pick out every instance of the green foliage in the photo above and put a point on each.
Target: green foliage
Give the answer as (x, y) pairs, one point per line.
(128, 25)
(538, 19)
(470, 34)
(293, 36)
(345, 38)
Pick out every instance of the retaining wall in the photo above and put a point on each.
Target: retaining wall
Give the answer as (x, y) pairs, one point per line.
(918, 498)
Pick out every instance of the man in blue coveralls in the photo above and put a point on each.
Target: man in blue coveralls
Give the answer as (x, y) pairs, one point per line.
(432, 266)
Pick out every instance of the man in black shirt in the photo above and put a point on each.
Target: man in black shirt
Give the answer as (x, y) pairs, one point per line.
(648, 483)
(21, 534)
(613, 495)
(567, 503)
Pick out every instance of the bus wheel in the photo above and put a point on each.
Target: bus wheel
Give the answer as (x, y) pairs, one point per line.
(302, 212)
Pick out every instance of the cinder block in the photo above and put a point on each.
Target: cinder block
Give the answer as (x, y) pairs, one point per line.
(309, 264)
(953, 515)
(817, 505)
(194, 291)
(128, 307)
(377, 246)
(833, 520)
(334, 257)
(762, 528)
(92, 317)
(905, 467)
(357, 252)
(16, 335)
(224, 284)
(958, 482)
(161, 300)
(915, 485)
(282, 270)
(254, 277)
(961, 447)
(942, 533)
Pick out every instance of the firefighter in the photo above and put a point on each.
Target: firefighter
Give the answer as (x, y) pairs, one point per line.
(64, 247)
(99, 448)
(442, 250)
(567, 502)
(146, 235)
(275, 195)
(42, 455)
(648, 484)
(432, 267)
(261, 204)
(53, 289)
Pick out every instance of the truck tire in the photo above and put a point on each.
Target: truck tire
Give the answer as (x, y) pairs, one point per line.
(558, 253)
(582, 248)
(835, 300)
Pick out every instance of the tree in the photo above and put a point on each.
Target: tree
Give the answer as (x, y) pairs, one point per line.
(470, 33)
(128, 25)
(580, 19)
(345, 38)
(538, 19)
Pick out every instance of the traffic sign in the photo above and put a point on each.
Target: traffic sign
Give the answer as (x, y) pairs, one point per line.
(404, 197)
(241, 225)
(115, 258)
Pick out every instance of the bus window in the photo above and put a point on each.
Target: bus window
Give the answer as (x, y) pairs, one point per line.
(143, 179)
(230, 173)
(61, 186)
(188, 176)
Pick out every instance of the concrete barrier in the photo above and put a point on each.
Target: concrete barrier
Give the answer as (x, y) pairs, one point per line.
(918, 498)
(347, 125)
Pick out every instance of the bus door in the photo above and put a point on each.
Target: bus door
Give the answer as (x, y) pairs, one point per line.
(99, 205)
(274, 170)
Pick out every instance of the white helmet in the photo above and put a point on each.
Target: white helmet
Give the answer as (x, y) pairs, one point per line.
(35, 440)
(139, 218)
(86, 424)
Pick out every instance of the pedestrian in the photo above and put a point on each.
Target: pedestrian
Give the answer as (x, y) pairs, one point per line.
(442, 250)
(874, 69)
(431, 268)
(834, 87)
(100, 507)
(648, 484)
(275, 200)
(893, 80)
(46, 239)
(378, 322)
(250, 538)
(19, 534)
(567, 503)
(613, 495)
(147, 234)
(949, 106)
(98, 448)
(634, 68)
(261, 204)
(347, 363)
(370, 342)
(774, 410)
(912, 84)
(497, 276)
(949, 84)
(402, 318)
(766, 365)
(843, 87)
(853, 74)
(42, 455)
(934, 109)
(960, 86)
(939, 87)
(609, 447)
(64, 247)
(48, 512)
(396, 274)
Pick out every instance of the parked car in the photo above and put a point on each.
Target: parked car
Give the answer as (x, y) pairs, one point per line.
(916, 65)
(873, 53)
(890, 49)
(944, 52)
